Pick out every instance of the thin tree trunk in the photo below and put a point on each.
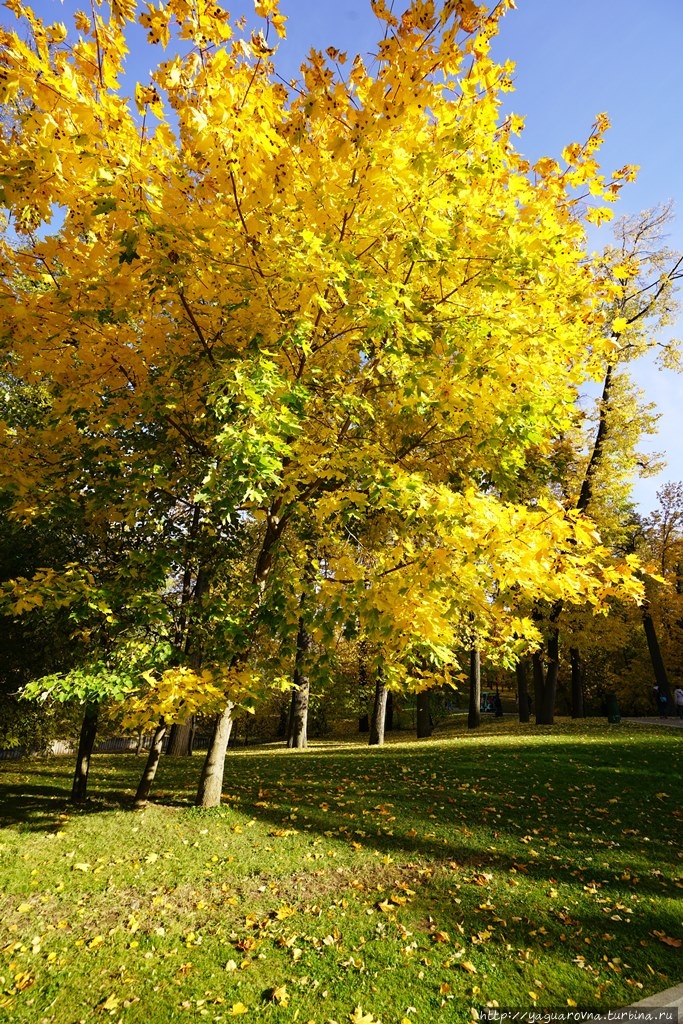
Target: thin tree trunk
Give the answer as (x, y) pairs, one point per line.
(379, 712)
(521, 673)
(86, 743)
(577, 683)
(474, 714)
(424, 716)
(586, 493)
(152, 764)
(138, 746)
(363, 687)
(538, 673)
(211, 779)
(298, 732)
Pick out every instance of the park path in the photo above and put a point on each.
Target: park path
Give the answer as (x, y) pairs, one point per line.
(669, 999)
(672, 723)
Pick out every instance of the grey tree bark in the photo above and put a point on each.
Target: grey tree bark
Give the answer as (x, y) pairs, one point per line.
(379, 711)
(211, 778)
(474, 713)
(298, 719)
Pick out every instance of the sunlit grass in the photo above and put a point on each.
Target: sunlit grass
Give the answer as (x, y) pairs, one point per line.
(532, 868)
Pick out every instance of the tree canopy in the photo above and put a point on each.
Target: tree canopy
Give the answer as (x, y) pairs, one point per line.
(296, 338)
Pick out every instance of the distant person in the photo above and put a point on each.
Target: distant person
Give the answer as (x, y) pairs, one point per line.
(678, 700)
(662, 702)
(655, 697)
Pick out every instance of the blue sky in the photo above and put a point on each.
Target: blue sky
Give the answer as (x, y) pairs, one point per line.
(574, 59)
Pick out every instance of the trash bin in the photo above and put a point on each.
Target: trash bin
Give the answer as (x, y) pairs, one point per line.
(613, 712)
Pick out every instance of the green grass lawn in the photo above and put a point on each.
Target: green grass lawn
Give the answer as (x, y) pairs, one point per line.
(519, 867)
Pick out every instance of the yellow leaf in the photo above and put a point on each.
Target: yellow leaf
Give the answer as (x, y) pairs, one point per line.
(81, 867)
(23, 908)
(358, 1017)
(468, 966)
(619, 325)
(237, 1008)
(280, 995)
(110, 1003)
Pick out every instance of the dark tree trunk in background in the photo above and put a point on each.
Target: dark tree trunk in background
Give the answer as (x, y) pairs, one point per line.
(298, 719)
(379, 711)
(389, 715)
(363, 688)
(283, 724)
(211, 779)
(150, 771)
(424, 715)
(86, 742)
(545, 676)
(522, 675)
(577, 683)
(181, 739)
(474, 714)
(658, 666)
(550, 691)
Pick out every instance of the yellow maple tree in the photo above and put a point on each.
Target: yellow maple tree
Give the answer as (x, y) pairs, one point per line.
(282, 305)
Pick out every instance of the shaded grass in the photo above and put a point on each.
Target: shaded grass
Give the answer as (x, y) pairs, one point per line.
(520, 866)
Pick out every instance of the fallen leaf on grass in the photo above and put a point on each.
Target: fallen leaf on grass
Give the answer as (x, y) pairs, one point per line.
(667, 940)
(358, 1017)
(110, 1003)
(468, 966)
(279, 995)
(237, 1008)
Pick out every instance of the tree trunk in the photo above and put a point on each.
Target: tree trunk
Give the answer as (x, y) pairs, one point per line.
(550, 690)
(521, 672)
(298, 719)
(658, 666)
(379, 711)
(211, 779)
(545, 680)
(424, 716)
(389, 715)
(577, 683)
(86, 743)
(181, 739)
(474, 714)
(283, 728)
(363, 687)
(152, 764)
